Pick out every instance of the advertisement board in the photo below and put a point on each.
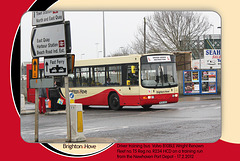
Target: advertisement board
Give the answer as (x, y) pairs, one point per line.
(199, 82)
(212, 59)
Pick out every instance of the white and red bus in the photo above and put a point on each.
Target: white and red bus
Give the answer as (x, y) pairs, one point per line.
(133, 80)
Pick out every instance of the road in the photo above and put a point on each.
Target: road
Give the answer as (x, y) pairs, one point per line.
(182, 122)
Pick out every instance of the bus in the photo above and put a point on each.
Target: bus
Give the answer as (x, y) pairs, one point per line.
(133, 80)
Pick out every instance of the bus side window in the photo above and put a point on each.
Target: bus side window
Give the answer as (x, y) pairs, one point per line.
(99, 76)
(78, 77)
(115, 75)
(85, 77)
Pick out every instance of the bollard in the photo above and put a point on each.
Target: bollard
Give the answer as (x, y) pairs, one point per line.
(76, 115)
(22, 103)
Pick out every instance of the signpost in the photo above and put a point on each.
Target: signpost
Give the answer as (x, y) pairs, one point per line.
(35, 64)
(51, 41)
(55, 66)
(46, 17)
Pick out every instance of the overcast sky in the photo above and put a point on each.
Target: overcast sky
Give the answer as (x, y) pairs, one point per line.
(87, 31)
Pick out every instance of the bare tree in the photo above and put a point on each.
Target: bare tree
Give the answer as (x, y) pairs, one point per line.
(171, 31)
(122, 51)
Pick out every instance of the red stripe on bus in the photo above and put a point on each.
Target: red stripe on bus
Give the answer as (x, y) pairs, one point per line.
(126, 100)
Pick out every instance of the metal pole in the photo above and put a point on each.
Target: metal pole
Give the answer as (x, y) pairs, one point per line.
(36, 113)
(104, 51)
(67, 109)
(144, 36)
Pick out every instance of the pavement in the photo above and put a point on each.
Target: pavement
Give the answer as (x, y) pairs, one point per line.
(88, 140)
(206, 97)
(29, 108)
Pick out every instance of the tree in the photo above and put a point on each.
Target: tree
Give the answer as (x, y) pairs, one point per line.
(171, 31)
(122, 51)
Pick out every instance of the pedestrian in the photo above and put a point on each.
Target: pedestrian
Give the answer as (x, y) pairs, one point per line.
(54, 95)
(42, 97)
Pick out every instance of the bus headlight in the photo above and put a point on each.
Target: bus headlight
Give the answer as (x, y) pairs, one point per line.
(175, 95)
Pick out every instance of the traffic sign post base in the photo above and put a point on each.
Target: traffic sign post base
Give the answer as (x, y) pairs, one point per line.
(76, 114)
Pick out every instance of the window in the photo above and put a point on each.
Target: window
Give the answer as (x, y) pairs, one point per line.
(71, 79)
(78, 77)
(114, 75)
(85, 76)
(159, 75)
(98, 76)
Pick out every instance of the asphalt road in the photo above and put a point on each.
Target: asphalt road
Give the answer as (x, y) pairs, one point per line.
(182, 122)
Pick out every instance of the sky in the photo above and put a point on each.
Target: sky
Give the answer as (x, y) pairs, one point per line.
(87, 31)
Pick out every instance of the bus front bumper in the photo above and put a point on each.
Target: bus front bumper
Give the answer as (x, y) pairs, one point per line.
(158, 99)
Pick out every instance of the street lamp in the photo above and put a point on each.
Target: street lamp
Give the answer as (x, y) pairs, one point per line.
(121, 50)
(99, 52)
(104, 50)
(82, 55)
(97, 49)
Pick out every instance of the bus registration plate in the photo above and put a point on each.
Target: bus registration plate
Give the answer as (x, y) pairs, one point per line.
(162, 102)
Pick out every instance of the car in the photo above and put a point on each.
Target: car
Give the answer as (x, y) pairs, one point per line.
(53, 70)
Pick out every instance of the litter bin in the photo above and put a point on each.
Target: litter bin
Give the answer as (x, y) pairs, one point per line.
(76, 115)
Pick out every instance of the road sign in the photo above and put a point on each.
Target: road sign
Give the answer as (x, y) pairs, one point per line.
(71, 95)
(49, 41)
(55, 66)
(35, 65)
(46, 17)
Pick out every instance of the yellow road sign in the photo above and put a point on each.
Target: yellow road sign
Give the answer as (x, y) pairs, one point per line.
(35, 65)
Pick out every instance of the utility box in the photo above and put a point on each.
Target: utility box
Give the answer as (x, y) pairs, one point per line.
(76, 115)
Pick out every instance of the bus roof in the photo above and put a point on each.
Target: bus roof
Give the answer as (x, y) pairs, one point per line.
(133, 58)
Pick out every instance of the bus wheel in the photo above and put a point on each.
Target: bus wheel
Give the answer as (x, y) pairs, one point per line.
(113, 102)
(147, 107)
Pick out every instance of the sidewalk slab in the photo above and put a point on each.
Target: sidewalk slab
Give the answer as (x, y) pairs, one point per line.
(88, 140)
(28, 112)
(199, 97)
